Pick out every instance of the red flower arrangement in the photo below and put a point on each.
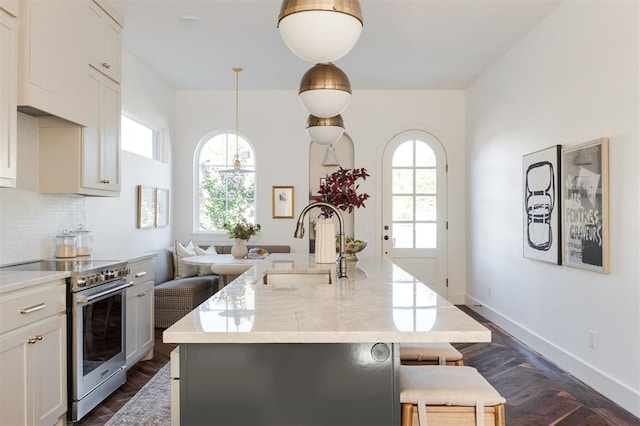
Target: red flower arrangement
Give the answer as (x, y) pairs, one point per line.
(340, 189)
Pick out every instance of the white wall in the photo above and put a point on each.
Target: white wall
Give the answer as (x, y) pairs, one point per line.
(572, 79)
(274, 122)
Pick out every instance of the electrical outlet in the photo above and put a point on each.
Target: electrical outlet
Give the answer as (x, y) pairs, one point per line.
(488, 291)
(593, 340)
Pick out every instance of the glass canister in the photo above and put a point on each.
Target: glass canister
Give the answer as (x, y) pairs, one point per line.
(66, 245)
(84, 242)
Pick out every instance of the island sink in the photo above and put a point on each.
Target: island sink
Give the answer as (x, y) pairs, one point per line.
(287, 277)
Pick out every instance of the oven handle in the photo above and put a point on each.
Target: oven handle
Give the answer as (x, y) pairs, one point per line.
(87, 299)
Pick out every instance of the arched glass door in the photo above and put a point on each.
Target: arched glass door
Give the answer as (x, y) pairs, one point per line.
(414, 207)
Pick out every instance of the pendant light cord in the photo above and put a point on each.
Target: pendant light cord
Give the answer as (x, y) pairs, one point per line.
(237, 70)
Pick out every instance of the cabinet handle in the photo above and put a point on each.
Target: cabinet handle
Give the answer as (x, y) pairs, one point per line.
(143, 294)
(106, 65)
(140, 274)
(33, 340)
(33, 308)
(104, 181)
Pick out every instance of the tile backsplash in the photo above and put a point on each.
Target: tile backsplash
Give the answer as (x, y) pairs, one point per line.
(29, 222)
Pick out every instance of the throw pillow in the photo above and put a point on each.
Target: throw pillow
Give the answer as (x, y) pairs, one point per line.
(205, 269)
(182, 270)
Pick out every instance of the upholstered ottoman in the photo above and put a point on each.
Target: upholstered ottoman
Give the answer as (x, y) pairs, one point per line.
(447, 395)
(429, 354)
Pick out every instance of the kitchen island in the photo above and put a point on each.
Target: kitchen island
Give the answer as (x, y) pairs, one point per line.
(290, 349)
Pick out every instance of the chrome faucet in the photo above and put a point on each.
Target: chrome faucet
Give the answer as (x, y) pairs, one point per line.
(342, 261)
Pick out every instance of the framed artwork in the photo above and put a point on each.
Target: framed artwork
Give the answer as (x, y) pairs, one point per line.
(146, 206)
(162, 208)
(542, 205)
(282, 202)
(585, 179)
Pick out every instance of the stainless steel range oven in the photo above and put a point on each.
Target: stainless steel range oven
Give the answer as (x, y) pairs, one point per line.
(95, 328)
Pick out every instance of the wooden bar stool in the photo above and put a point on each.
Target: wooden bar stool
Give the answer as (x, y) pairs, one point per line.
(429, 354)
(446, 395)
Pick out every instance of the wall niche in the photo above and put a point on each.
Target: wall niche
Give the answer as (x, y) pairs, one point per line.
(319, 168)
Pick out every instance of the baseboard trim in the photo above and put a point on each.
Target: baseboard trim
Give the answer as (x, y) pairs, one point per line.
(617, 392)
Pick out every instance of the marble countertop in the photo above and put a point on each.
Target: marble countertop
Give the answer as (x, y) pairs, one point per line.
(378, 302)
(18, 280)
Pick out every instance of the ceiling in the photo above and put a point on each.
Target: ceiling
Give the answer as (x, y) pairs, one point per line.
(419, 44)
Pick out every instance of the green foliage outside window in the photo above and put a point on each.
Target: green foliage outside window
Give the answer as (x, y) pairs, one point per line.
(224, 197)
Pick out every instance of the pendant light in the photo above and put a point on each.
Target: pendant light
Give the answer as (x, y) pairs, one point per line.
(320, 30)
(325, 131)
(237, 166)
(325, 90)
(330, 160)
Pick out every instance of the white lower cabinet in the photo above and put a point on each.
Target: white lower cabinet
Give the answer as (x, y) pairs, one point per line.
(33, 357)
(140, 324)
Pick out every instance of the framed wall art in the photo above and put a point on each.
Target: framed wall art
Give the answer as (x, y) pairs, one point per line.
(162, 208)
(146, 206)
(542, 238)
(585, 180)
(282, 202)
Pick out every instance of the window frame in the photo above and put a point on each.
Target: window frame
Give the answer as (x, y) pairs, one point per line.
(218, 235)
(156, 139)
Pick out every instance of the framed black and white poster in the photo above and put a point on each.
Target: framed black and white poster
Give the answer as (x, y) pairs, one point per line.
(585, 171)
(542, 201)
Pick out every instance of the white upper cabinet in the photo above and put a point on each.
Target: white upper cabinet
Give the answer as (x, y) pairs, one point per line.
(8, 93)
(106, 42)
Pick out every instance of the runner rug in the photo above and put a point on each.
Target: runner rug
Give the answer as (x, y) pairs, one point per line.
(151, 406)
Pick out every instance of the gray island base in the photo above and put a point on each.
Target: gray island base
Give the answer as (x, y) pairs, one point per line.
(288, 384)
(299, 351)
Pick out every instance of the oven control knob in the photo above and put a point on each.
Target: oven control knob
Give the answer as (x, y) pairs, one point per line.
(81, 282)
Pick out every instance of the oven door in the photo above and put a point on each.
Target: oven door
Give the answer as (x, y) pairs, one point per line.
(98, 330)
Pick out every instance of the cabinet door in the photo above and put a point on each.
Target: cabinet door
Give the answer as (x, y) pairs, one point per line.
(101, 138)
(91, 134)
(15, 378)
(140, 328)
(146, 326)
(106, 43)
(50, 370)
(110, 146)
(8, 99)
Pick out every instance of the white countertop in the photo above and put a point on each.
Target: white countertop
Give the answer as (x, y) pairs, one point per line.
(379, 302)
(17, 280)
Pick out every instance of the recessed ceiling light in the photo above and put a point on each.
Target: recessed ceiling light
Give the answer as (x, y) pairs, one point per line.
(189, 19)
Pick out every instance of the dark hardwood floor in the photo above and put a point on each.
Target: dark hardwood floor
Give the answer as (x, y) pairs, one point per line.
(538, 393)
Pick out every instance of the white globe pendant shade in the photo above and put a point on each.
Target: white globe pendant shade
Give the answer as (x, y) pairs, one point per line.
(320, 30)
(325, 90)
(325, 131)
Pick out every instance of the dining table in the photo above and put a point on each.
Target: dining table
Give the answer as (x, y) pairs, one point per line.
(223, 265)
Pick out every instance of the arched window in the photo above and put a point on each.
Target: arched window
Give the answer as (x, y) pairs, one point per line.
(224, 194)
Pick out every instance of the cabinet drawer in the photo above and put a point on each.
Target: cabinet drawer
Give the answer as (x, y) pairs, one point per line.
(25, 307)
(141, 272)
